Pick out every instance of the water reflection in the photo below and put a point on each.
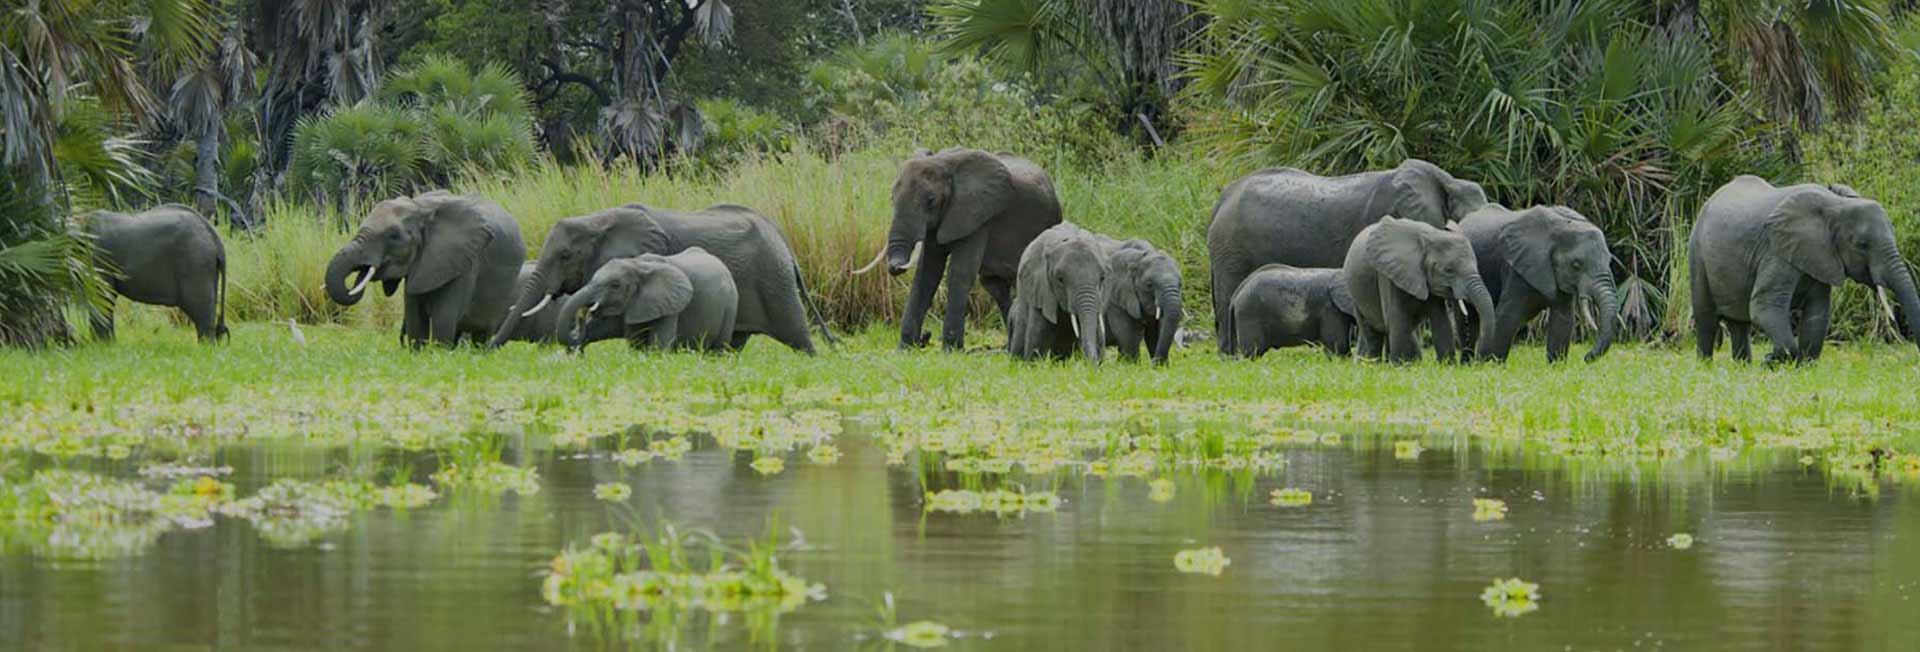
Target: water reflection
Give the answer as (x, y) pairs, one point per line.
(1394, 550)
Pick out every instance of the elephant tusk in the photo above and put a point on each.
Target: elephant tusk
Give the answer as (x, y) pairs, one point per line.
(536, 307)
(1885, 305)
(593, 308)
(877, 257)
(364, 280)
(914, 258)
(1076, 323)
(1156, 311)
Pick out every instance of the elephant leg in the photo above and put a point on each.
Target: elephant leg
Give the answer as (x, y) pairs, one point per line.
(1369, 341)
(739, 341)
(413, 321)
(1226, 279)
(926, 280)
(1124, 332)
(786, 312)
(1440, 320)
(963, 269)
(1771, 308)
(1559, 330)
(445, 308)
(1037, 339)
(1706, 318)
(1333, 337)
(666, 332)
(201, 304)
(1002, 292)
(1512, 313)
(1399, 312)
(1740, 340)
(1816, 314)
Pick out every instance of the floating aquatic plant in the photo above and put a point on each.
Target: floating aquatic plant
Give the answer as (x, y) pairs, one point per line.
(612, 492)
(1407, 450)
(491, 478)
(294, 513)
(1207, 561)
(631, 457)
(1489, 509)
(1512, 597)
(823, 454)
(76, 515)
(920, 634)
(625, 573)
(1290, 497)
(999, 501)
(769, 465)
(1681, 541)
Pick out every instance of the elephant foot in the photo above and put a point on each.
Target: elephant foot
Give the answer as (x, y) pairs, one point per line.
(917, 341)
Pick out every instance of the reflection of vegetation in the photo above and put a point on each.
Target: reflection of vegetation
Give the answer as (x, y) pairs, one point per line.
(1000, 502)
(1291, 497)
(294, 513)
(1202, 561)
(71, 514)
(1489, 509)
(619, 579)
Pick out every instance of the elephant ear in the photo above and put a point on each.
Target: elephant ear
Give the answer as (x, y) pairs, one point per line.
(1798, 231)
(1397, 248)
(666, 290)
(1417, 193)
(1129, 264)
(982, 189)
(1342, 298)
(1527, 241)
(455, 233)
(1034, 278)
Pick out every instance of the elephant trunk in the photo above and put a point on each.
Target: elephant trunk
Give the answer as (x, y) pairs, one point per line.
(1089, 322)
(904, 242)
(1601, 292)
(533, 295)
(564, 330)
(1891, 272)
(1475, 291)
(1169, 315)
(348, 259)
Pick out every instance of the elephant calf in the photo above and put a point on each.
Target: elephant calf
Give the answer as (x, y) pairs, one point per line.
(1064, 270)
(167, 256)
(1760, 253)
(686, 300)
(1143, 299)
(1281, 305)
(1542, 258)
(1401, 271)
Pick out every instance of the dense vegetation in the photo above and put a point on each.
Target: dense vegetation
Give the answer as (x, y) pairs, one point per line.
(283, 118)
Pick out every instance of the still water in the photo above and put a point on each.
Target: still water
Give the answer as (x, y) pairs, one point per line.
(1386, 556)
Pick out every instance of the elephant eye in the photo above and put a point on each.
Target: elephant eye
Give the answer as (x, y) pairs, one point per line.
(1577, 264)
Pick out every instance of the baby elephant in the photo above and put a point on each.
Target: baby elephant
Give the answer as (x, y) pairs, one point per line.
(1064, 270)
(686, 300)
(1543, 258)
(539, 327)
(167, 256)
(1143, 299)
(1402, 271)
(1282, 305)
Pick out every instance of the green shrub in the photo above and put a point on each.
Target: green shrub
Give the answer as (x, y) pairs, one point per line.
(425, 125)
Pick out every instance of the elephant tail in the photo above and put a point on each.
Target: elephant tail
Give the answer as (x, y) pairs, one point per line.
(219, 268)
(813, 308)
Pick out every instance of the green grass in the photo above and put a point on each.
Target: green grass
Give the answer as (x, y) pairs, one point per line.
(157, 393)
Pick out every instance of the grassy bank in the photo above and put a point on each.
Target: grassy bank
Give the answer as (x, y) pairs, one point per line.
(159, 394)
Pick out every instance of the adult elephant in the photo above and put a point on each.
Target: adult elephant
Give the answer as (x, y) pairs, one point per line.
(1761, 252)
(1542, 258)
(457, 254)
(964, 214)
(1292, 217)
(1401, 271)
(541, 326)
(772, 295)
(167, 256)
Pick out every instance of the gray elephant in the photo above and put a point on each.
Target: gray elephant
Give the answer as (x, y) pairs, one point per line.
(772, 295)
(457, 254)
(1143, 299)
(1064, 270)
(166, 256)
(1282, 305)
(539, 327)
(686, 300)
(1542, 258)
(1761, 253)
(1291, 217)
(1400, 271)
(964, 214)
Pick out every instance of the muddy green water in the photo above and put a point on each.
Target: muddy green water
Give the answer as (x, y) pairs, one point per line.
(1387, 556)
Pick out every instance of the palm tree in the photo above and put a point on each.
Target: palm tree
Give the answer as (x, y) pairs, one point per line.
(55, 55)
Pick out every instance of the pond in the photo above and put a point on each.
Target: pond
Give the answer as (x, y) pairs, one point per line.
(1381, 545)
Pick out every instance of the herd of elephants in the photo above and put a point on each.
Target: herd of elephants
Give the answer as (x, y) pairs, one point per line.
(1296, 259)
